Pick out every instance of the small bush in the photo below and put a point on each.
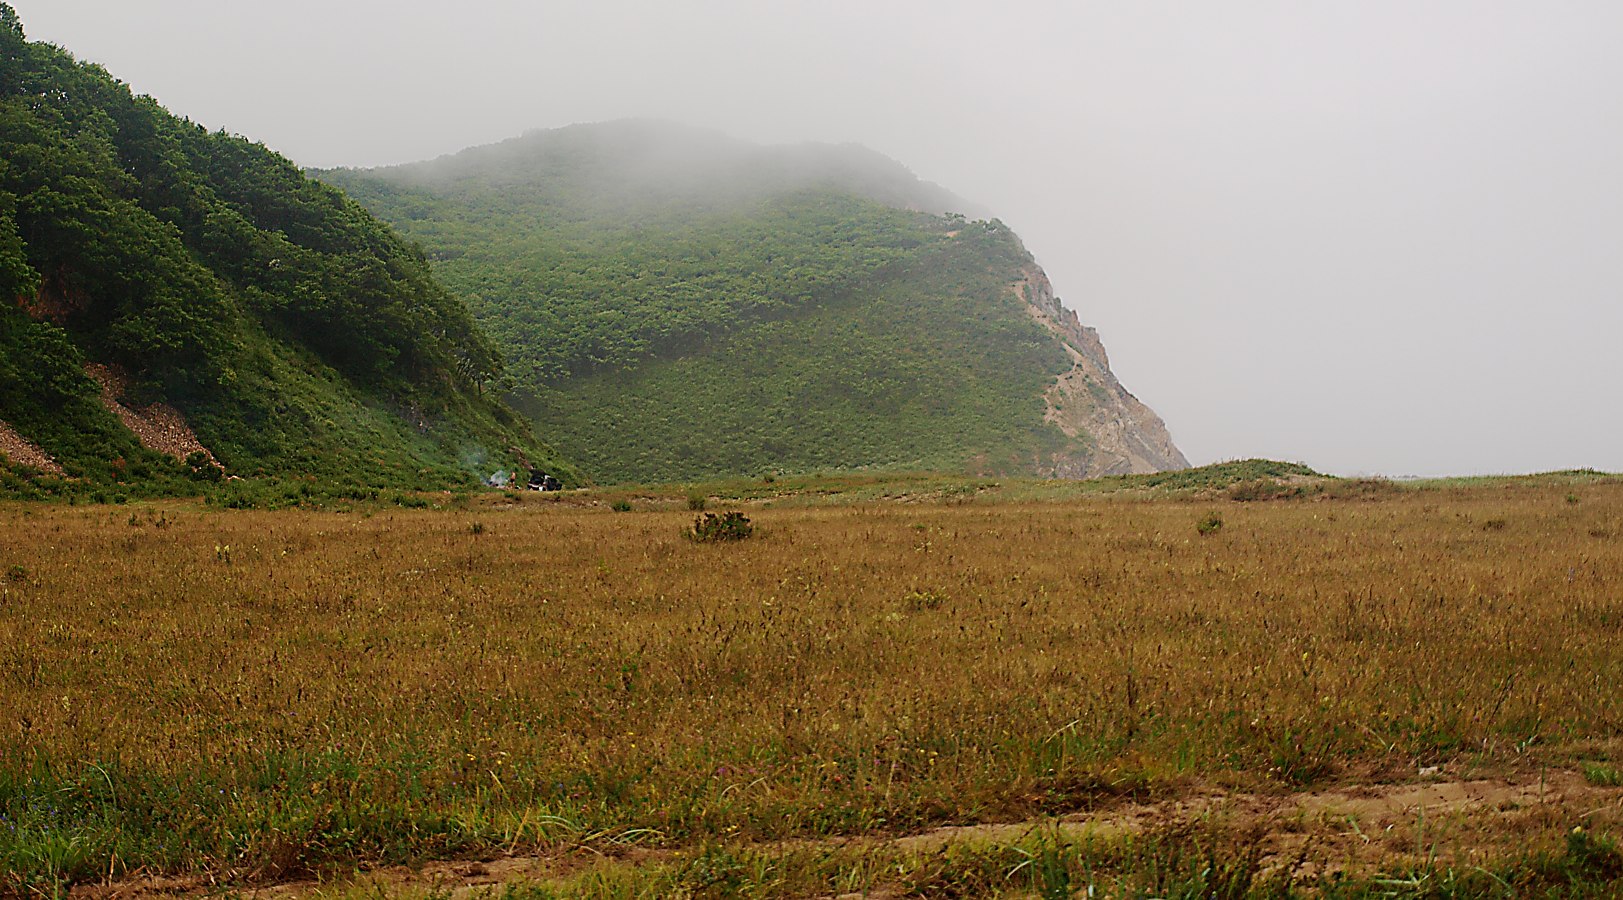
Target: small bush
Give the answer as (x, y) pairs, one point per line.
(1362, 489)
(1592, 858)
(1603, 775)
(729, 526)
(1261, 489)
(1212, 524)
(697, 502)
(201, 468)
(621, 506)
(923, 600)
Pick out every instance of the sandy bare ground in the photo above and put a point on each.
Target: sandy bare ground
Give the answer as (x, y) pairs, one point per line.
(24, 452)
(1352, 827)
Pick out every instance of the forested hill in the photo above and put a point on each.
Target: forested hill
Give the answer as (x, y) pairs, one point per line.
(207, 283)
(674, 304)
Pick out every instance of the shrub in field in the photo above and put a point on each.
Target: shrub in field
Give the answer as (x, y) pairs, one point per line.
(697, 502)
(621, 506)
(1362, 489)
(922, 600)
(1212, 524)
(1590, 859)
(1261, 489)
(1603, 775)
(729, 526)
(202, 468)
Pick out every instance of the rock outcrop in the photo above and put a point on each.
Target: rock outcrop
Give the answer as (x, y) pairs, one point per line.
(158, 426)
(23, 452)
(1088, 403)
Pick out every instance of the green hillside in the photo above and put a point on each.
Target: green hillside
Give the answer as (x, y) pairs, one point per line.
(675, 304)
(301, 338)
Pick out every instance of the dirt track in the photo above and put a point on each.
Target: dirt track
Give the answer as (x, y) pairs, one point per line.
(1350, 827)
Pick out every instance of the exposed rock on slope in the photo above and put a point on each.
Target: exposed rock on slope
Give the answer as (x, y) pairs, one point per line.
(158, 426)
(1087, 400)
(24, 452)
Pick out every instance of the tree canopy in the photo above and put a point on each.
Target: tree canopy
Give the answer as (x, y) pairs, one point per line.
(285, 319)
(674, 305)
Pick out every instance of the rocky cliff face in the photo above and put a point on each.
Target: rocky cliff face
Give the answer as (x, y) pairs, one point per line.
(1088, 403)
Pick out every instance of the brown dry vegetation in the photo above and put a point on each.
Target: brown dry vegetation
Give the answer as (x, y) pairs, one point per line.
(260, 696)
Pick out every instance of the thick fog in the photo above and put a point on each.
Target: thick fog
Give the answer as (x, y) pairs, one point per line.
(1382, 236)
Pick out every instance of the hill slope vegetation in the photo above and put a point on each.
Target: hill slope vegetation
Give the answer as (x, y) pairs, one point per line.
(204, 277)
(675, 304)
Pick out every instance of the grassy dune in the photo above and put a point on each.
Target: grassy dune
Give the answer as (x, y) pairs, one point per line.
(268, 695)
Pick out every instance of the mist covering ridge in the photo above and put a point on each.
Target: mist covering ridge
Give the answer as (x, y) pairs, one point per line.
(629, 164)
(674, 304)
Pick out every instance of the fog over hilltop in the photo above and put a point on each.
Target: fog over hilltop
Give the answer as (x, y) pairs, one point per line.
(1376, 237)
(636, 161)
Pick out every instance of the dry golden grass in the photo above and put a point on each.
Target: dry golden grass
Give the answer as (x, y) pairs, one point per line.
(258, 694)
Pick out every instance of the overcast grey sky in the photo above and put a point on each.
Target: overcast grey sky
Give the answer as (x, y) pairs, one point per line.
(1378, 236)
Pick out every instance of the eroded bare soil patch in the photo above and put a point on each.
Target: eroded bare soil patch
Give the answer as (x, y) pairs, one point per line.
(159, 426)
(1357, 828)
(24, 452)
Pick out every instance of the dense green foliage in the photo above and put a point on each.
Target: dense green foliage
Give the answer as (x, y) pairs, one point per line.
(44, 393)
(926, 368)
(674, 305)
(300, 336)
(617, 296)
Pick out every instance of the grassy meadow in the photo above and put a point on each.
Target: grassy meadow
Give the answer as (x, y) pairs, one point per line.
(255, 697)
